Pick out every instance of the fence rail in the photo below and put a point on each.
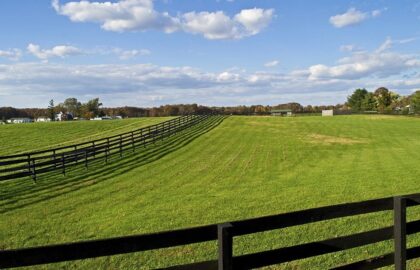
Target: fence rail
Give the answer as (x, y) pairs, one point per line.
(59, 159)
(225, 233)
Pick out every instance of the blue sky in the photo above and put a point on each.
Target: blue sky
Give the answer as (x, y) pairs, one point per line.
(149, 53)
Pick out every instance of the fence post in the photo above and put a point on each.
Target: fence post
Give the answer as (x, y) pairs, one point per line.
(106, 150)
(63, 164)
(76, 157)
(400, 230)
(33, 170)
(143, 138)
(54, 157)
(86, 158)
(29, 164)
(224, 238)
(94, 150)
(132, 140)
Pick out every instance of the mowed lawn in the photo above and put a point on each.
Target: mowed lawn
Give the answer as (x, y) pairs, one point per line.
(19, 138)
(239, 168)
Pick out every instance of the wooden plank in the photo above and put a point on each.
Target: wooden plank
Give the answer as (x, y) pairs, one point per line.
(105, 247)
(310, 215)
(307, 250)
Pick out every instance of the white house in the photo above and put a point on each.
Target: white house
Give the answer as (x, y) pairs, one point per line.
(327, 113)
(63, 116)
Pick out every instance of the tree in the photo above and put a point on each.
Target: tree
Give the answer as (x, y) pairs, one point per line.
(72, 106)
(355, 100)
(415, 102)
(383, 98)
(51, 110)
(92, 106)
(368, 102)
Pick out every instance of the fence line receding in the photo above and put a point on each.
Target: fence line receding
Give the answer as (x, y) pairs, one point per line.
(59, 159)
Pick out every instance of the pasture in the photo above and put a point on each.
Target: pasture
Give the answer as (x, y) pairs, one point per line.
(217, 171)
(18, 138)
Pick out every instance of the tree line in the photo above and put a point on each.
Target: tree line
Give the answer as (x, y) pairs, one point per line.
(381, 100)
(93, 108)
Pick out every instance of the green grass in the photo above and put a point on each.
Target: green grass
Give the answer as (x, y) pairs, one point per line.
(17, 138)
(240, 168)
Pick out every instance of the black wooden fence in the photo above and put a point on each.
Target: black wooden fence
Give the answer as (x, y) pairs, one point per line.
(35, 163)
(225, 233)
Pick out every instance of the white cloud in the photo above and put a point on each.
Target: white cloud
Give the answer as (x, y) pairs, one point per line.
(140, 15)
(376, 13)
(254, 19)
(348, 48)
(11, 54)
(352, 16)
(212, 25)
(388, 43)
(272, 63)
(129, 54)
(380, 63)
(385, 46)
(33, 84)
(56, 51)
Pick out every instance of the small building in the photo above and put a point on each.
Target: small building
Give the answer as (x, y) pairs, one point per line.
(327, 112)
(42, 119)
(61, 116)
(285, 112)
(19, 120)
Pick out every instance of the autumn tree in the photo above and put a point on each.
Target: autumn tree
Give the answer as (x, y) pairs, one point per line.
(383, 98)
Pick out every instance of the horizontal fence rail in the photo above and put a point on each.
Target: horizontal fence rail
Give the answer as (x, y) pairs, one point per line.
(225, 233)
(59, 159)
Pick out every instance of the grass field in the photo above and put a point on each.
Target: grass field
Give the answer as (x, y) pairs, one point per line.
(239, 168)
(19, 138)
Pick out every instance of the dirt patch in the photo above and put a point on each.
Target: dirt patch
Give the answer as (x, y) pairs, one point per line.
(325, 139)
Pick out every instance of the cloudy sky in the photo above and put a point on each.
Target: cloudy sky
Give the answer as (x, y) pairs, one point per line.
(211, 52)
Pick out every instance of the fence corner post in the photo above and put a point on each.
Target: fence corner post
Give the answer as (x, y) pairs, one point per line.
(225, 246)
(400, 233)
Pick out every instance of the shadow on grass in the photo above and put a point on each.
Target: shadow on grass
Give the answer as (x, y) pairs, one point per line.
(16, 194)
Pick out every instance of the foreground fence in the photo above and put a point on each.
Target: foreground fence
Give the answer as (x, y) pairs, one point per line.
(225, 233)
(59, 159)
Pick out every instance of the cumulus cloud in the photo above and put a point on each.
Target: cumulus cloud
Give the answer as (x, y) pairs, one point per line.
(140, 15)
(254, 19)
(380, 63)
(352, 16)
(32, 84)
(273, 63)
(11, 54)
(56, 51)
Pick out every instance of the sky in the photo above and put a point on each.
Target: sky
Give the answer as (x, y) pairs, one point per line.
(212, 52)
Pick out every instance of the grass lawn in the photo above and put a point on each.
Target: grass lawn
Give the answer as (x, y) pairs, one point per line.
(17, 138)
(239, 168)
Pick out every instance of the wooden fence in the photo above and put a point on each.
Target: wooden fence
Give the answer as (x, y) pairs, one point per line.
(225, 233)
(59, 159)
